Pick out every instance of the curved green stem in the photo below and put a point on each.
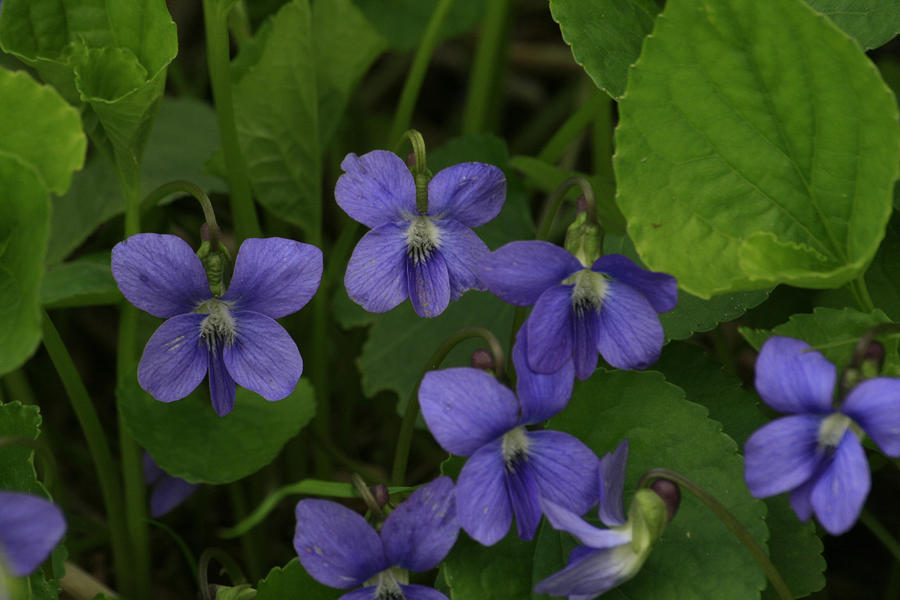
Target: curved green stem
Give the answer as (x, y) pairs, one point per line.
(861, 294)
(555, 202)
(483, 83)
(185, 187)
(98, 446)
(215, 18)
(407, 426)
(573, 126)
(416, 76)
(306, 487)
(883, 535)
(182, 545)
(231, 567)
(728, 519)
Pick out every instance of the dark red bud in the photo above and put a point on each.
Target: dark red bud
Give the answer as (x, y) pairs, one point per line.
(411, 160)
(482, 359)
(670, 494)
(581, 204)
(380, 492)
(204, 232)
(875, 353)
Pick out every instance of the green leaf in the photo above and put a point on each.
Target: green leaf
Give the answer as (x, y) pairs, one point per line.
(832, 332)
(501, 572)
(189, 440)
(83, 282)
(756, 145)
(605, 36)
(871, 22)
(697, 557)
(883, 274)
(403, 22)
(17, 461)
(282, 583)
(276, 113)
(345, 46)
(794, 547)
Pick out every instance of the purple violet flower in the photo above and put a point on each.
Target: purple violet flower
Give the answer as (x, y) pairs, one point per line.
(338, 548)
(30, 527)
(609, 557)
(510, 469)
(431, 258)
(608, 307)
(168, 491)
(816, 453)
(235, 338)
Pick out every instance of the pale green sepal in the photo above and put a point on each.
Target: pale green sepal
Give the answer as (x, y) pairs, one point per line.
(584, 239)
(239, 592)
(215, 263)
(648, 517)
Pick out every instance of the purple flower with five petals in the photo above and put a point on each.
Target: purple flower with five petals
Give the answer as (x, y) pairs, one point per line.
(30, 527)
(816, 453)
(338, 548)
(168, 491)
(431, 258)
(510, 469)
(608, 307)
(235, 338)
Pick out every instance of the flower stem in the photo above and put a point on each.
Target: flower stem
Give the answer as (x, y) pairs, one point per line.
(98, 446)
(555, 202)
(572, 127)
(231, 567)
(407, 426)
(215, 18)
(413, 84)
(728, 519)
(861, 294)
(79, 584)
(182, 186)
(484, 82)
(883, 535)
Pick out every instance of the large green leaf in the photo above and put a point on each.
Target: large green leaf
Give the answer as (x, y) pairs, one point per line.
(292, 579)
(756, 145)
(871, 22)
(697, 556)
(403, 22)
(834, 332)
(605, 36)
(83, 282)
(188, 440)
(276, 112)
(501, 572)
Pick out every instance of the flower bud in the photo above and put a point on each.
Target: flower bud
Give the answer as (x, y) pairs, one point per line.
(648, 514)
(483, 360)
(584, 239)
(380, 493)
(215, 262)
(670, 494)
(873, 359)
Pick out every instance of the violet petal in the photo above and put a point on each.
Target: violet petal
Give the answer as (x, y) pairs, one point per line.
(586, 341)
(471, 193)
(30, 527)
(541, 396)
(792, 378)
(428, 283)
(463, 252)
(612, 485)
(482, 501)
(565, 470)
(420, 532)
(222, 391)
(782, 455)
(376, 188)
(263, 356)
(550, 330)
(169, 493)
(376, 274)
(174, 360)
(660, 289)
(593, 537)
(591, 573)
(524, 496)
(520, 272)
(631, 336)
(875, 406)
(840, 491)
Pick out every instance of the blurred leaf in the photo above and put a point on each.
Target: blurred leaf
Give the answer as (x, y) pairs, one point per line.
(283, 583)
(832, 332)
(82, 282)
(403, 22)
(871, 22)
(501, 572)
(187, 439)
(17, 461)
(719, 178)
(276, 112)
(697, 556)
(883, 274)
(605, 36)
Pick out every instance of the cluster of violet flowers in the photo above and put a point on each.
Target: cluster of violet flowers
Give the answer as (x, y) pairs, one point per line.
(421, 245)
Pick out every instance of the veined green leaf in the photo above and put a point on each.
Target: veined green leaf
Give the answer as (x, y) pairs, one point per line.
(285, 582)
(871, 22)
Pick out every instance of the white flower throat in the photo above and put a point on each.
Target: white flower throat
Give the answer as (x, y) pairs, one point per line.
(590, 289)
(514, 447)
(832, 429)
(422, 238)
(387, 584)
(218, 326)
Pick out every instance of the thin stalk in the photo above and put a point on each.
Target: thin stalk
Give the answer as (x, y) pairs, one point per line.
(728, 520)
(572, 128)
(184, 187)
(884, 536)
(98, 446)
(182, 545)
(79, 584)
(407, 426)
(250, 543)
(229, 564)
(555, 201)
(484, 78)
(215, 18)
(861, 294)
(413, 84)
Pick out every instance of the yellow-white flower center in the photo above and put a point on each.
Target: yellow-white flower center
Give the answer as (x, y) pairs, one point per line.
(513, 446)
(832, 429)
(422, 238)
(218, 326)
(590, 289)
(387, 584)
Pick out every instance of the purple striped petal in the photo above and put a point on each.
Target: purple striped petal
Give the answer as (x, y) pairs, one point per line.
(612, 485)
(590, 574)
(465, 408)
(520, 272)
(376, 274)
(630, 335)
(420, 532)
(782, 455)
(541, 396)
(593, 537)
(524, 497)
(174, 359)
(839, 493)
(660, 289)
(463, 252)
(792, 378)
(152, 472)
(421, 592)
(800, 500)
(482, 500)
(875, 406)
(169, 493)
(586, 341)
(274, 276)
(471, 193)
(565, 470)
(550, 330)
(363, 593)
(335, 545)
(222, 391)
(30, 527)
(263, 356)
(160, 274)
(428, 282)
(376, 188)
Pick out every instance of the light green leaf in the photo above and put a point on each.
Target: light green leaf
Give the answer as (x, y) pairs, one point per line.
(83, 282)
(756, 145)
(605, 36)
(832, 332)
(283, 583)
(871, 22)
(276, 112)
(403, 22)
(501, 572)
(189, 440)
(697, 557)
